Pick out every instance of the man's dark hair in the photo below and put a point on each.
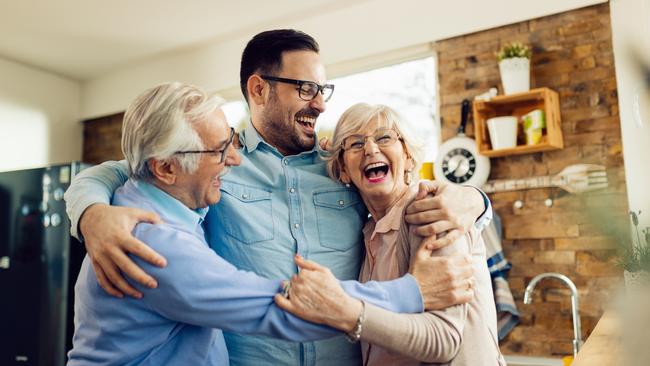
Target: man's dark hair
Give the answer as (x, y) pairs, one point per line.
(263, 53)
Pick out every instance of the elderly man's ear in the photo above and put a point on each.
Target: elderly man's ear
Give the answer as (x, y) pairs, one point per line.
(258, 89)
(164, 170)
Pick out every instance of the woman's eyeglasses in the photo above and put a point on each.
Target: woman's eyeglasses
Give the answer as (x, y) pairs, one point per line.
(382, 137)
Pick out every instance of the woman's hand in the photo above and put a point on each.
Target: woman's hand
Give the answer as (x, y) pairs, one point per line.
(316, 295)
(107, 235)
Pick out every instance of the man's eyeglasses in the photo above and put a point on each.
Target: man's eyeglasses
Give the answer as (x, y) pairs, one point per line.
(307, 90)
(220, 154)
(382, 137)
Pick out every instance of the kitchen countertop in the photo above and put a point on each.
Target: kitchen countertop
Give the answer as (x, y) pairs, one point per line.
(603, 347)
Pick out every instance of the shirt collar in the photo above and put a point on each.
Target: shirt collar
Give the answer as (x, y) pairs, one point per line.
(251, 139)
(395, 215)
(171, 208)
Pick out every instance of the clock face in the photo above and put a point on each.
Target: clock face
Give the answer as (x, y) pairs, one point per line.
(458, 165)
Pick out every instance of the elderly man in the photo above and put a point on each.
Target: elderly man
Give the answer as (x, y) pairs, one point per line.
(178, 147)
(279, 203)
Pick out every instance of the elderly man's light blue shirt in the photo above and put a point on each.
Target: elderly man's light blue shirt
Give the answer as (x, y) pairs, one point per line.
(199, 292)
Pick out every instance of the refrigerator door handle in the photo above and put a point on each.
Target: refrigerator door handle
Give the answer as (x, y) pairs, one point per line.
(4, 262)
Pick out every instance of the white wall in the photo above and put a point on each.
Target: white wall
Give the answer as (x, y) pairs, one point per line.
(361, 30)
(39, 117)
(631, 35)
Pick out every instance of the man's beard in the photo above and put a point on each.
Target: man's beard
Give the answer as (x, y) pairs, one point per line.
(282, 131)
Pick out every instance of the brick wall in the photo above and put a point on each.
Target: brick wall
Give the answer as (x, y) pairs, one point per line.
(572, 54)
(102, 139)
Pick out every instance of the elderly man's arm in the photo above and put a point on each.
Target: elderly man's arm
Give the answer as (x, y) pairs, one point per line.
(106, 230)
(199, 287)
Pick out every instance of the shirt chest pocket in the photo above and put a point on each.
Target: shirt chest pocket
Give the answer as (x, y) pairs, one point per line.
(339, 216)
(246, 214)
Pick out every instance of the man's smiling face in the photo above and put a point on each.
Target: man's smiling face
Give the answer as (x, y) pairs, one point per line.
(288, 122)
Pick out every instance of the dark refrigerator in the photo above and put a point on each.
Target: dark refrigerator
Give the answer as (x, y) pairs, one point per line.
(39, 264)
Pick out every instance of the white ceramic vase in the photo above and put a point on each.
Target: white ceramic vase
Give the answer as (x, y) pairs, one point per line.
(515, 74)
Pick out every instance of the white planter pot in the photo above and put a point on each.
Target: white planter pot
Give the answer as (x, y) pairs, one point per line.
(503, 132)
(515, 74)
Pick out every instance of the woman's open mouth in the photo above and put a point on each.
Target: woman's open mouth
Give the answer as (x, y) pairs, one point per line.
(376, 172)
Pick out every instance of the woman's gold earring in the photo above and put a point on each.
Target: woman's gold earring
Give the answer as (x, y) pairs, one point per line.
(407, 176)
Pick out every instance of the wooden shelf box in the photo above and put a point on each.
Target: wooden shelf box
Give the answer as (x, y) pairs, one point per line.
(517, 105)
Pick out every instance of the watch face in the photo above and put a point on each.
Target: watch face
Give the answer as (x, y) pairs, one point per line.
(459, 165)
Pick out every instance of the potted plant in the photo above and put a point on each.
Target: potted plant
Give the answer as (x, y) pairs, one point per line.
(514, 66)
(635, 255)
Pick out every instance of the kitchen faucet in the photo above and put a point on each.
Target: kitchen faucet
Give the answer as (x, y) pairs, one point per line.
(577, 331)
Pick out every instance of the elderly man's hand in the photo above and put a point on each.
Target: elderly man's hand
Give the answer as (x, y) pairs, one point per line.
(107, 234)
(446, 215)
(444, 281)
(325, 143)
(316, 295)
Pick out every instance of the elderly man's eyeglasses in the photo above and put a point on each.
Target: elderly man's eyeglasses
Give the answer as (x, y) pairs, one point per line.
(383, 138)
(220, 154)
(307, 90)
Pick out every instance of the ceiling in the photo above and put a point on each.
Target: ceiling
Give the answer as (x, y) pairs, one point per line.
(82, 39)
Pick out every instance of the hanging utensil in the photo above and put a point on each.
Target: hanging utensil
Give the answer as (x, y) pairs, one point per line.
(576, 178)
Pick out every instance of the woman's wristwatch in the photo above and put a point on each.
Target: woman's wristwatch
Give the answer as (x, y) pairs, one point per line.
(355, 335)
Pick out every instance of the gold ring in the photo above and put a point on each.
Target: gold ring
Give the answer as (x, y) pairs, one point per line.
(286, 287)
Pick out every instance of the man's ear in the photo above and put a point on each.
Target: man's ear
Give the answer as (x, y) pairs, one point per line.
(258, 89)
(164, 170)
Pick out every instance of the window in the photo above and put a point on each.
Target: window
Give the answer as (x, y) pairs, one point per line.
(408, 87)
(237, 115)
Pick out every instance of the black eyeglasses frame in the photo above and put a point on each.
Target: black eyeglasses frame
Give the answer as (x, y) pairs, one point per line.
(299, 83)
(221, 151)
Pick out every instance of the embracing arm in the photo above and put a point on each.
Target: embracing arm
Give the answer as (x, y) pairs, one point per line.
(107, 229)
(199, 287)
(94, 185)
(401, 295)
(434, 337)
(428, 337)
(443, 212)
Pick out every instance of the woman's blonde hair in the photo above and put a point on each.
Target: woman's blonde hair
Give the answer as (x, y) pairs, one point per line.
(358, 117)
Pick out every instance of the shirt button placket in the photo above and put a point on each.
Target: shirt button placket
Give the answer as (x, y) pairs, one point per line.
(294, 202)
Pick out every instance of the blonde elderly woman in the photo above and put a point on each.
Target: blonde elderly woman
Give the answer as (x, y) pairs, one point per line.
(372, 150)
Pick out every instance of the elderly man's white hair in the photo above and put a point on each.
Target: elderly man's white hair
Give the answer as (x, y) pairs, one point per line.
(161, 122)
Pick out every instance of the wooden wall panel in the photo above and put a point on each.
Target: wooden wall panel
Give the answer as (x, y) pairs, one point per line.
(102, 139)
(572, 54)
